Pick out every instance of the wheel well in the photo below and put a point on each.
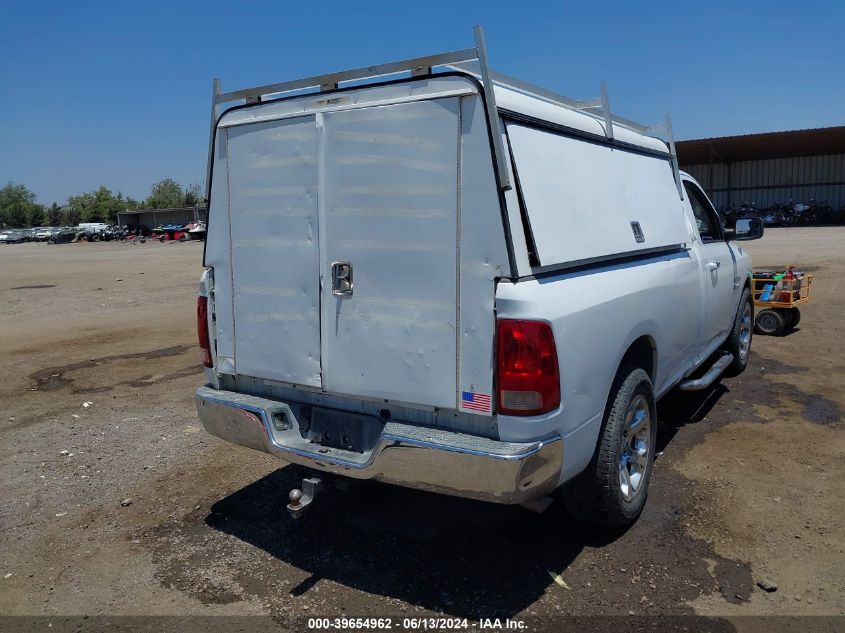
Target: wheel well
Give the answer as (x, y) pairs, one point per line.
(642, 353)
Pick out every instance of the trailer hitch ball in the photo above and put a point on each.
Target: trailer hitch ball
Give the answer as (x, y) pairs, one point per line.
(295, 496)
(298, 499)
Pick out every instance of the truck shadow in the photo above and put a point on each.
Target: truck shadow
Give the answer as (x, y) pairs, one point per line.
(787, 332)
(678, 409)
(461, 557)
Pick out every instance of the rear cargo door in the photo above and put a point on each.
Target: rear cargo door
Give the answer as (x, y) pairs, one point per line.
(389, 221)
(273, 174)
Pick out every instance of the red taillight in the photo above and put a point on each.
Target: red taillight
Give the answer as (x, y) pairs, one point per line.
(528, 376)
(202, 331)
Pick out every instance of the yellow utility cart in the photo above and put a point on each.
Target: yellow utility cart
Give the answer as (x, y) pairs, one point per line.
(777, 296)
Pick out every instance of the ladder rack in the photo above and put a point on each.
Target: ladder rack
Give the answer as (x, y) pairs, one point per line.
(468, 60)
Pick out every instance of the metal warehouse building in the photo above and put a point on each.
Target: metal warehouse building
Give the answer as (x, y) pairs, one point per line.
(152, 218)
(766, 169)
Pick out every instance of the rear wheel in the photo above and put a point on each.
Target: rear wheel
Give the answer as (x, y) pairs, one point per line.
(769, 322)
(613, 488)
(793, 317)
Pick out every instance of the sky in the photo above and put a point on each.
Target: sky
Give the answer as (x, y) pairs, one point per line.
(118, 93)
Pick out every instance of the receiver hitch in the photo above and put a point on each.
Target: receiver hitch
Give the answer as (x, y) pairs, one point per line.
(301, 499)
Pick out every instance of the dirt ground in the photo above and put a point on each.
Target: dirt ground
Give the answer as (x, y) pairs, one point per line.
(113, 500)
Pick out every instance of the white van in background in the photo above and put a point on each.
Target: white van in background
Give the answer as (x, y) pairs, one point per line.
(93, 228)
(460, 283)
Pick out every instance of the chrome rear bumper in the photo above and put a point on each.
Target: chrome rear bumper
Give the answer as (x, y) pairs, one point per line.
(416, 457)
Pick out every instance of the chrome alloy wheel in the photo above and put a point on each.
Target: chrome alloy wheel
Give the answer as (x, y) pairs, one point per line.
(636, 448)
(746, 324)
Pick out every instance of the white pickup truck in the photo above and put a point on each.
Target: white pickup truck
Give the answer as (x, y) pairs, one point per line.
(458, 282)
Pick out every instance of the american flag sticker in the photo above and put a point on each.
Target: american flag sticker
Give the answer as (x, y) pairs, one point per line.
(472, 401)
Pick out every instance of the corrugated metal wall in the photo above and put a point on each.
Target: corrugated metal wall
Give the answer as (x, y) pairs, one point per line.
(778, 180)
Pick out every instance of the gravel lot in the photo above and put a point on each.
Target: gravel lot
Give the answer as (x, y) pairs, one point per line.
(114, 501)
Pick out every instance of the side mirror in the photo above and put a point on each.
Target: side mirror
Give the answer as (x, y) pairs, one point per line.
(746, 229)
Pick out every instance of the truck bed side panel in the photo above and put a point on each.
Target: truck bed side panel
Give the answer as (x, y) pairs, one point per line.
(596, 314)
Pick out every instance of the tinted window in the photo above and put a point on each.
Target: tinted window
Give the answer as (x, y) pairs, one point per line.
(706, 220)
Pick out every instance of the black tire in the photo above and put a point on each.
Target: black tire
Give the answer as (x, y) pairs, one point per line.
(738, 344)
(95, 238)
(596, 495)
(793, 317)
(769, 322)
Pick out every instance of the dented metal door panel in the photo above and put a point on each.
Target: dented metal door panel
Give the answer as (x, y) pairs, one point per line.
(389, 212)
(275, 250)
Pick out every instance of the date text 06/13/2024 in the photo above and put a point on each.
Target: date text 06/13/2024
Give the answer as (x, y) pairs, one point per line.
(415, 624)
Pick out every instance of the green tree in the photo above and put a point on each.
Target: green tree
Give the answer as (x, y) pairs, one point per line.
(131, 204)
(16, 204)
(54, 215)
(97, 206)
(166, 194)
(72, 215)
(193, 195)
(36, 215)
(82, 207)
(94, 214)
(106, 205)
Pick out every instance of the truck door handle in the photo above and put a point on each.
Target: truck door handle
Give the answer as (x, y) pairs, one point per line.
(713, 265)
(342, 279)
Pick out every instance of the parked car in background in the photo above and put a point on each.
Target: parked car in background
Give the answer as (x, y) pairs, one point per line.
(455, 316)
(93, 229)
(14, 236)
(63, 235)
(42, 233)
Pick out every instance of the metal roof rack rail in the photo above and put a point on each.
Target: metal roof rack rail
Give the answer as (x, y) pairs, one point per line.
(330, 81)
(469, 60)
(663, 131)
(598, 108)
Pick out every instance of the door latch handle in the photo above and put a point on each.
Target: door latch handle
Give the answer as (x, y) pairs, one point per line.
(341, 279)
(713, 265)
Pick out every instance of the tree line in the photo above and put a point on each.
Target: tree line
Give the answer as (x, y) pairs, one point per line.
(19, 209)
